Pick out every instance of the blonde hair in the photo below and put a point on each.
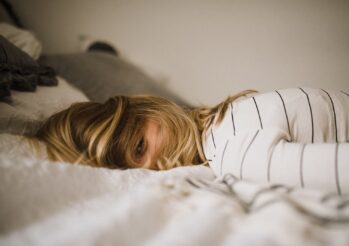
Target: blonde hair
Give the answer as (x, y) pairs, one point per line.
(106, 134)
(204, 117)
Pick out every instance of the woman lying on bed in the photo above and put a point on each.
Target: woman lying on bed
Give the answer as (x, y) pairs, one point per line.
(297, 136)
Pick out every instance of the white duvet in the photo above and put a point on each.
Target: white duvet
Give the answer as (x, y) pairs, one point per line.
(46, 203)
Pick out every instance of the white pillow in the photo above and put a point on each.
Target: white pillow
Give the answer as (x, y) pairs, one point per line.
(29, 109)
(23, 39)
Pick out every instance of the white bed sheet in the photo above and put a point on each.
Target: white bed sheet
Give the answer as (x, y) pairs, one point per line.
(45, 203)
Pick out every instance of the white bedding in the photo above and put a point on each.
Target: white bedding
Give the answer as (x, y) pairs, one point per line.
(45, 203)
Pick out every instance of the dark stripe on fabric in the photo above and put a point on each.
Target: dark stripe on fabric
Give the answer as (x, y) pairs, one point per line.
(301, 166)
(336, 171)
(269, 164)
(214, 144)
(288, 124)
(311, 115)
(192, 183)
(329, 198)
(334, 114)
(232, 117)
(345, 93)
(244, 156)
(259, 116)
(225, 147)
(282, 188)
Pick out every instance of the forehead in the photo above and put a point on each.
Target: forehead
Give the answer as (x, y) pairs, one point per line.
(152, 124)
(154, 131)
(152, 128)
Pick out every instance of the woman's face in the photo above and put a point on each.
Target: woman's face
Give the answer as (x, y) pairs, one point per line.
(149, 145)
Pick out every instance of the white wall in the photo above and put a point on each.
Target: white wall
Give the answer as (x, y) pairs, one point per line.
(205, 49)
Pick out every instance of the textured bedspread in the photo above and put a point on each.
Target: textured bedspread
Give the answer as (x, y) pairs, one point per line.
(44, 203)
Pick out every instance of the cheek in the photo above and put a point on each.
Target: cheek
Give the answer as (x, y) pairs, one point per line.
(156, 139)
(155, 152)
(162, 141)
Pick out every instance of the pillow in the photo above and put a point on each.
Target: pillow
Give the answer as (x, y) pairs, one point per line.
(102, 75)
(21, 38)
(18, 71)
(26, 111)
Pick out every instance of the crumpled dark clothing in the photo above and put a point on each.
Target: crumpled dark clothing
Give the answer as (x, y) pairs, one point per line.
(18, 71)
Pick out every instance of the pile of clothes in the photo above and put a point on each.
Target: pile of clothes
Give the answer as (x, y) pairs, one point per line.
(19, 69)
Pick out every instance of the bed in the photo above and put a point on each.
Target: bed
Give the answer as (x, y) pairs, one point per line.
(55, 203)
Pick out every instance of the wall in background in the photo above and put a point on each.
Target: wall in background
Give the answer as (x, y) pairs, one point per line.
(205, 50)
